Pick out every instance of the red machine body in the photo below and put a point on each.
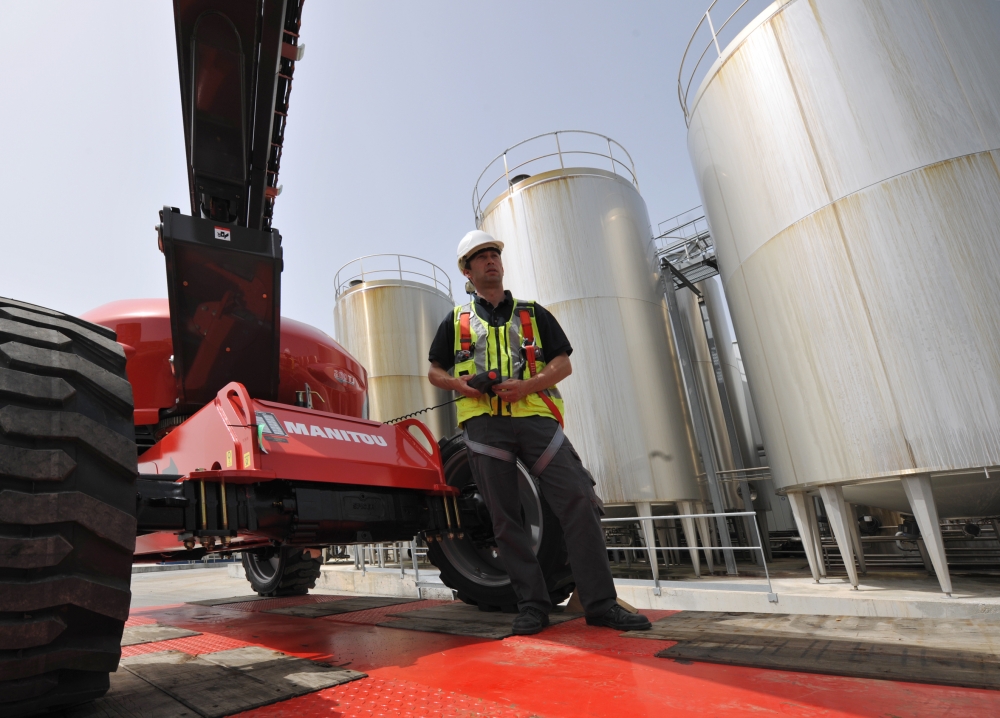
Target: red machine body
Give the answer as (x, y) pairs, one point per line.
(307, 356)
(237, 440)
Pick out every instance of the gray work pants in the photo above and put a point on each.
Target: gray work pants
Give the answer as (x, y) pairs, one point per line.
(566, 487)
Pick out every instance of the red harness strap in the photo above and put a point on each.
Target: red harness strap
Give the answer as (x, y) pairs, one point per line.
(465, 333)
(528, 335)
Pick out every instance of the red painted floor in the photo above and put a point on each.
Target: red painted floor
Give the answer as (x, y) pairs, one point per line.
(568, 670)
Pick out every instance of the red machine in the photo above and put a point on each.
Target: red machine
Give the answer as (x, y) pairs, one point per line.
(235, 444)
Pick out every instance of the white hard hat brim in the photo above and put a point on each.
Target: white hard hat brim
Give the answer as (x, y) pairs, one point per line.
(473, 242)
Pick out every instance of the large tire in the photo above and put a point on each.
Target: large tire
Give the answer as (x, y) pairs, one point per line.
(283, 571)
(67, 507)
(471, 568)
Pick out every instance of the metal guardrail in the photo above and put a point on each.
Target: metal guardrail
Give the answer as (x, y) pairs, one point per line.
(381, 553)
(715, 32)
(684, 244)
(403, 267)
(771, 595)
(536, 162)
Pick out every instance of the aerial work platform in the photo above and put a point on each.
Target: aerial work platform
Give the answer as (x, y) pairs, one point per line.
(349, 655)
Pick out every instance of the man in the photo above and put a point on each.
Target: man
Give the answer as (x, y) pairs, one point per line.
(524, 346)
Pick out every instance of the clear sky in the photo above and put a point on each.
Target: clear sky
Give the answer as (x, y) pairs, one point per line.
(395, 110)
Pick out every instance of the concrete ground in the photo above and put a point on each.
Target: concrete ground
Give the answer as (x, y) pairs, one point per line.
(906, 595)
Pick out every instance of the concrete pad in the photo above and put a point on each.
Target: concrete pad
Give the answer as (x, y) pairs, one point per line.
(875, 596)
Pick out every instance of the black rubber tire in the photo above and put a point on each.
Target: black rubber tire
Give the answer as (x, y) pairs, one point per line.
(283, 571)
(67, 508)
(552, 554)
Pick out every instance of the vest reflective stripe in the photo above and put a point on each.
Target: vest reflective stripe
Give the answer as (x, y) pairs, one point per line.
(499, 349)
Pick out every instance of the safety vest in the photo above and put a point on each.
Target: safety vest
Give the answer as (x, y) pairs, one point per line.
(512, 350)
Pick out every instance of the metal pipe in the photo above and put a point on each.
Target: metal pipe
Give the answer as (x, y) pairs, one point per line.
(702, 436)
(727, 413)
(458, 519)
(204, 512)
(447, 514)
(225, 509)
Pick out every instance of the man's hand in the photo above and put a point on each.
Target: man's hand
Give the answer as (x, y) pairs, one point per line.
(512, 390)
(443, 380)
(461, 385)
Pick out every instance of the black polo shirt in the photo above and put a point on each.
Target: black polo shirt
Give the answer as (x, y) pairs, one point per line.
(551, 337)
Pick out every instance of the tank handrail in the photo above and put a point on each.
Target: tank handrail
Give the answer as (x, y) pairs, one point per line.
(479, 197)
(438, 277)
(697, 240)
(684, 89)
(511, 170)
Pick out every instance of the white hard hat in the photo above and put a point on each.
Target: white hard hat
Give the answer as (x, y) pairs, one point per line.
(472, 243)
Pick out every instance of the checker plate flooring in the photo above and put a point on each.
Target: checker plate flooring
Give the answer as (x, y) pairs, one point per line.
(569, 669)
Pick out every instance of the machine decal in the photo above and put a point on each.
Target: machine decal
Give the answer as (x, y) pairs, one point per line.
(270, 423)
(223, 234)
(325, 432)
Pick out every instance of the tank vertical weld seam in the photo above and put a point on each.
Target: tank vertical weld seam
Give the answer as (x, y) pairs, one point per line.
(847, 251)
(951, 65)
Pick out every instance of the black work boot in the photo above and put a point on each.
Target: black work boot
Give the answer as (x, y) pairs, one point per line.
(529, 621)
(620, 620)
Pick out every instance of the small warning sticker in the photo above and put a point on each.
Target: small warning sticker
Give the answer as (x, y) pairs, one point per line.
(223, 233)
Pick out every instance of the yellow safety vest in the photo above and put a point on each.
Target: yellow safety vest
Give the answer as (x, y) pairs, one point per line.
(481, 348)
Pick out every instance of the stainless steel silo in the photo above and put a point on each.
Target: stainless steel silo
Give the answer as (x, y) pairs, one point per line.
(847, 154)
(577, 240)
(387, 310)
(707, 383)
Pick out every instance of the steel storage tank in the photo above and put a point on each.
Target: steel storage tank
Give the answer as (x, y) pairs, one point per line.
(387, 310)
(577, 240)
(847, 154)
(706, 381)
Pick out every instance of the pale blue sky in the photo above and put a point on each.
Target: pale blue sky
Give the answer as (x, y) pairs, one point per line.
(396, 109)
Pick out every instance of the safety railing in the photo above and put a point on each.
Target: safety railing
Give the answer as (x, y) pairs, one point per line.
(403, 267)
(383, 555)
(683, 244)
(712, 32)
(735, 476)
(652, 549)
(684, 239)
(550, 151)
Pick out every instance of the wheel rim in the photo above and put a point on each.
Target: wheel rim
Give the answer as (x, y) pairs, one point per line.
(264, 568)
(478, 563)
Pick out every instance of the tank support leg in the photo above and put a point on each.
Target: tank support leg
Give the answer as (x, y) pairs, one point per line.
(817, 538)
(706, 537)
(800, 512)
(690, 534)
(852, 521)
(837, 514)
(918, 493)
(643, 508)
